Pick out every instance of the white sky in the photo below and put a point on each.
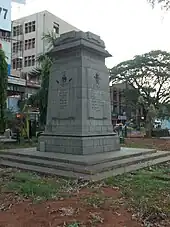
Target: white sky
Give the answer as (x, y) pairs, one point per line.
(128, 27)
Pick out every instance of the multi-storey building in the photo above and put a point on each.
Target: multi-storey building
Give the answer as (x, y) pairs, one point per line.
(5, 44)
(121, 110)
(5, 29)
(27, 44)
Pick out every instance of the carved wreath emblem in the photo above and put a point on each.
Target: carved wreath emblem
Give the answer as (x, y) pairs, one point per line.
(97, 78)
(64, 80)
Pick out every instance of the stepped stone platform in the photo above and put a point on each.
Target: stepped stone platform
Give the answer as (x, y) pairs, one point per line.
(89, 167)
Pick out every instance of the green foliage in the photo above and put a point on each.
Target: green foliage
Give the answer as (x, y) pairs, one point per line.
(147, 190)
(164, 3)
(74, 225)
(40, 99)
(31, 185)
(163, 111)
(149, 75)
(3, 89)
(131, 97)
(50, 38)
(160, 133)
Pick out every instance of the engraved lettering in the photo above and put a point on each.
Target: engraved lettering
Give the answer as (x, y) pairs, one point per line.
(63, 99)
(96, 101)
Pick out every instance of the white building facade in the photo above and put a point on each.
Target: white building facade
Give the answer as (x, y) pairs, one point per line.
(5, 45)
(27, 44)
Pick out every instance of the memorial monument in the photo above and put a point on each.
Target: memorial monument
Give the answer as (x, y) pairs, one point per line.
(79, 109)
(78, 141)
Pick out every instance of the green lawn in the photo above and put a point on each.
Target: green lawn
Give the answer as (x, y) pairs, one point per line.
(34, 186)
(146, 192)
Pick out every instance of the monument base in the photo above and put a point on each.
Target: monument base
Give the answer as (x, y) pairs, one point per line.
(78, 145)
(91, 167)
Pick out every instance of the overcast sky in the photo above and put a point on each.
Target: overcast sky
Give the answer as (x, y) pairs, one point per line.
(128, 27)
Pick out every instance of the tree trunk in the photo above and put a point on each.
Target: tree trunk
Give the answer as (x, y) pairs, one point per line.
(2, 120)
(148, 127)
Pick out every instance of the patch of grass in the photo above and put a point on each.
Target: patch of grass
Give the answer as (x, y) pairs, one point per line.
(36, 187)
(73, 225)
(138, 145)
(148, 190)
(95, 200)
(95, 219)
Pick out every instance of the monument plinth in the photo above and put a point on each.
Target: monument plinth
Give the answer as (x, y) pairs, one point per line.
(79, 109)
(78, 141)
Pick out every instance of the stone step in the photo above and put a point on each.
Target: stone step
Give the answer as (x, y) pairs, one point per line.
(97, 168)
(128, 161)
(85, 160)
(43, 170)
(129, 168)
(43, 163)
(95, 177)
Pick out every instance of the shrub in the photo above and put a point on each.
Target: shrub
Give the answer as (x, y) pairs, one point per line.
(160, 133)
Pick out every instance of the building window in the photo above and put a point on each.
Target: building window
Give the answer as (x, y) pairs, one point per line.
(33, 43)
(29, 61)
(20, 45)
(17, 47)
(33, 60)
(56, 28)
(17, 63)
(29, 44)
(26, 44)
(6, 35)
(30, 27)
(14, 48)
(26, 28)
(25, 61)
(17, 30)
(33, 26)
(14, 63)
(14, 31)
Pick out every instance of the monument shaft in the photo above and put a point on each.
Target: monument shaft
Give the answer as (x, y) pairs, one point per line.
(79, 110)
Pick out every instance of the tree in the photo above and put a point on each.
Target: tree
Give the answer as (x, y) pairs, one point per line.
(43, 72)
(148, 73)
(3, 89)
(150, 117)
(164, 3)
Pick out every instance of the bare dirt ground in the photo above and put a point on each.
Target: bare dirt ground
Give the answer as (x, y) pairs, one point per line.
(155, 143)
(97, 207)
(141, 198)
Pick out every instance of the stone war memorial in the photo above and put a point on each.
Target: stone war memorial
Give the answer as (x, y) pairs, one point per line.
(79, 109)
(78, 140)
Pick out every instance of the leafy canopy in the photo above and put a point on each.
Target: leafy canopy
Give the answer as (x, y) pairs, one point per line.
(164, 3)
(42, 72)
(149, 73)
(3, 89)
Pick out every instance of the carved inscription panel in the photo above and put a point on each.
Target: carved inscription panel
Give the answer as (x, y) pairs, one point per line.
(96, 95)
(96, 102)
(63, 98)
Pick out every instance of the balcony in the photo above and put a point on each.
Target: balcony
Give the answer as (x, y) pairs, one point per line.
(33, 84)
